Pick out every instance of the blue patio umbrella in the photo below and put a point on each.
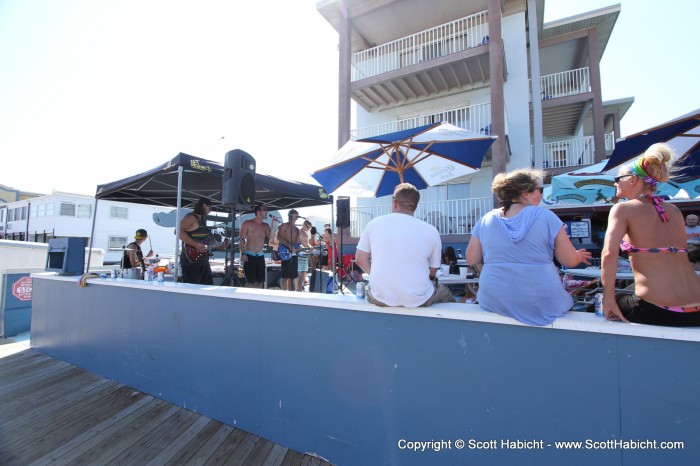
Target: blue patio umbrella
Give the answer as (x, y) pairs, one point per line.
(681, 134)
(425, 156)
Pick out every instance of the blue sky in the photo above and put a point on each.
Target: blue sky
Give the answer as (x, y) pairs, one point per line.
(94, 91)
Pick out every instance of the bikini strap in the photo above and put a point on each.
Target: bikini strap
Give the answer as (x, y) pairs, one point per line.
(657, 201)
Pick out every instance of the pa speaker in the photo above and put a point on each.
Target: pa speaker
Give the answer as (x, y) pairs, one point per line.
(343, 215)
(238, 188)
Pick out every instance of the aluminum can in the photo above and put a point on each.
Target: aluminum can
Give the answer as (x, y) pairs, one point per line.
(598, 304)
(161, 278)
(360, 290)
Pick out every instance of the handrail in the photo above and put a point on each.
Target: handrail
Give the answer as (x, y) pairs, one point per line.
(446, 39)
(456, 216)
(476, 118)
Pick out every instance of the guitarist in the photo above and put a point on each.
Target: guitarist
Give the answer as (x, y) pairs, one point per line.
(195, 237)
(288, 237)
(253, 233)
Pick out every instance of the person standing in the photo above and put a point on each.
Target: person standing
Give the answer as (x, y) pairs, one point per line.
(196, 237)
(288, 237)
(303, 256)
(401, 242)
(133, 256)
(253, 234)
(692, 229)
(516, 244)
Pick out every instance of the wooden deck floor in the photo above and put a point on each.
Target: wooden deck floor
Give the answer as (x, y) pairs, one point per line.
(53, 412)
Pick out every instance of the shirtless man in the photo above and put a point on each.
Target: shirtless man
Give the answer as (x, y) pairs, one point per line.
(288, 236)
(253, 233)
(303, 258)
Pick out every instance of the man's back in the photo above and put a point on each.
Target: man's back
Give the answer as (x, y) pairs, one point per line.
(403, 248)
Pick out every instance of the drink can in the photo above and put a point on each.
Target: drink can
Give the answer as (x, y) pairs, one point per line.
(161, 278)
(598, 304)
(360, 290)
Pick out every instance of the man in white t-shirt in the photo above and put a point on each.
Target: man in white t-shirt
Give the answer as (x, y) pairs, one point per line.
(406, 253)
(692, 230)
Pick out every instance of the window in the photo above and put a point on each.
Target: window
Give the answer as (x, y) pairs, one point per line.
(49, 210)
(18, 213)
(119, 212)
(84, 211)
(41, 210)
(24, 213)
(2, 215)
(67, 209)
(32, 211)
(117, 243)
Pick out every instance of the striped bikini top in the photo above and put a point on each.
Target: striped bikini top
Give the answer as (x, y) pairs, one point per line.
(629, 247)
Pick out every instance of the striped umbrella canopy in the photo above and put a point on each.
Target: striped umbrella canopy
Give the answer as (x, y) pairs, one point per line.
(424, 156)
(681, 134)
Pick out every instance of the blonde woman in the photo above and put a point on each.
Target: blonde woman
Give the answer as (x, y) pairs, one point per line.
(652, 232)
(516, 244)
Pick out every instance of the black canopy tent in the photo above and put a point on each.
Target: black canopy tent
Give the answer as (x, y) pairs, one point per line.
(184, 179)
(179, 182)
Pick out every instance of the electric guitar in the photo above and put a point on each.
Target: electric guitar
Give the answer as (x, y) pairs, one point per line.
(285, 254)
(193, 254)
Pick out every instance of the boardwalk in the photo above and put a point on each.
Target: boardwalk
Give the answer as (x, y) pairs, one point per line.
(53, 412)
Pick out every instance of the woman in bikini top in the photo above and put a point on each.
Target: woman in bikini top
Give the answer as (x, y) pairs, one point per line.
(653, 234)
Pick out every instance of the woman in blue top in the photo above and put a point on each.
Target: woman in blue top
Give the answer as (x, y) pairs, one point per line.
(516, 244)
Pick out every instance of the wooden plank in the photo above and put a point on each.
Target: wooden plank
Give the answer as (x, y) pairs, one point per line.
(276, 455)
(73, 448)
(152, 443)
(48, 434)
(242, 450)
(211, 446)
(259, 453)
(190, 450)
(174, 447)
(230, 444)
(38, 411)
(47, 391)
(67, 416)
(123, 439)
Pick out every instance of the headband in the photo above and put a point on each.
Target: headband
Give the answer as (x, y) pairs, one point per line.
(637, 167)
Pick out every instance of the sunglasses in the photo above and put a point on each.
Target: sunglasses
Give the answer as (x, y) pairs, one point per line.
(618, 178)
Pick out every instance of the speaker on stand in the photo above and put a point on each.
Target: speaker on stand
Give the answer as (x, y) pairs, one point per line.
(342, 221)
(238, 189)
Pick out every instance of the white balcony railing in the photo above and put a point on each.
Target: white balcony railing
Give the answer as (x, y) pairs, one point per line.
(566, 83)
(457, 216)
(446, 39)
(476, 118)
(567, 153)
(610, 141)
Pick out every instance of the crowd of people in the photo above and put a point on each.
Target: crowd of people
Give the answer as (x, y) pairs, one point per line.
(512, 248)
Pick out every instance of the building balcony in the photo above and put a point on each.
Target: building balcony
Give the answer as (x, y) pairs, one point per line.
(571, 152)
(436, 61)
(450, 217)
(565, 99)
(475, 118)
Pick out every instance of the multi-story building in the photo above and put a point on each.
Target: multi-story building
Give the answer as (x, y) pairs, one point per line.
(472, 63)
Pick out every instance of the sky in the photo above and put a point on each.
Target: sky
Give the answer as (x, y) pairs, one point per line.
(93, 91)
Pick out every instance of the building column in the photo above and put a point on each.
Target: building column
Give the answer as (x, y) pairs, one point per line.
(496, 68)
(536, 86)
(344, 60)
(598, 116)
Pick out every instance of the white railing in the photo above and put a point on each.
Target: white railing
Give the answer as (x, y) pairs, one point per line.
(476, 118)
(567, 153)
(566, 83)
(610, 141)
(457, 216)
(446, 39)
